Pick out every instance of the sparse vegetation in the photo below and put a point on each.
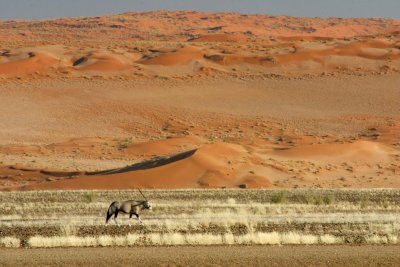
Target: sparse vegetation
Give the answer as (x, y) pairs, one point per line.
(90, 196)
(202, 217)
(9, 242)
(271, 59)
(279, 197)
(125, 143)
(319, 199)
(158, 239)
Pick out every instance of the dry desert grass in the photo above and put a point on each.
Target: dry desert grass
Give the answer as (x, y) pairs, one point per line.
(203, 217)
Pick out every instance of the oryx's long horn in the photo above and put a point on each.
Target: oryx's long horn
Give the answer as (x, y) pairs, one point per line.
(142, 194)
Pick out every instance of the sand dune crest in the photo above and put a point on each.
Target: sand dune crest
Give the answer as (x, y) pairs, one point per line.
(179, 57)
(33, 62)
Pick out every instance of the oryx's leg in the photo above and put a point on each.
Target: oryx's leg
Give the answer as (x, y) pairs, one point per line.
(115, 218)
(111, 211)
(129, 220)
(137, 216)
(108, 216)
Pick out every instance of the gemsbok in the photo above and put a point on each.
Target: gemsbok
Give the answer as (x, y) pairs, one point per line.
(131, 207)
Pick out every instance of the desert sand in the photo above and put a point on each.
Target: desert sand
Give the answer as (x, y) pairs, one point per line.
(212, 255)
(192, 99)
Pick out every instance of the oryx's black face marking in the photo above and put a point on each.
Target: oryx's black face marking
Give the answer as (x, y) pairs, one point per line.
(147, 205)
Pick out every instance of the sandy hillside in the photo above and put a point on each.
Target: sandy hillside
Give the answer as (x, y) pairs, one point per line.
(191, 99)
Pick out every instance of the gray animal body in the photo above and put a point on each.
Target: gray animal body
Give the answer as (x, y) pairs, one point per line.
(130, 207)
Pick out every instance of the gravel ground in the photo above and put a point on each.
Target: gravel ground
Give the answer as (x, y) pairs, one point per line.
(206, 256)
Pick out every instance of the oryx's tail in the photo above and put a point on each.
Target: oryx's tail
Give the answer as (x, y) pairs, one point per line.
(111, 210)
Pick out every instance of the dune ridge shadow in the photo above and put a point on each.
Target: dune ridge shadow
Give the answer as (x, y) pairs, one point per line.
(148, 164)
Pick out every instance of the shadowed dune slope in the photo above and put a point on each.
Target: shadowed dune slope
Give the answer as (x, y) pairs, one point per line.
(100, 62)
(165, 146)
(179, 57)
(206, 167)
(229, 165)
(147, 164)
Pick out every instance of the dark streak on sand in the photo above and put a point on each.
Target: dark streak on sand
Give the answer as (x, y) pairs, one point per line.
(154, 163)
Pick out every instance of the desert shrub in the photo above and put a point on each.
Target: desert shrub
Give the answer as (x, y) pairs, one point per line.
(364, 202)
(329, 239)
(9, 242)
(329, 199)
(90, 196)
(318, 199)
(125, 143)
(279, 197)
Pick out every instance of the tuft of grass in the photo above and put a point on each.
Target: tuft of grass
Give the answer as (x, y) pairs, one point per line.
(90, 196)
(125, 143)
(68, 229)
(178, 239)
(10, 242)
(329, 239)
(385, 239)
(271, 59)
(64, 241)
(279, 197)
(329, 199)
(319, 199)
(364, 202)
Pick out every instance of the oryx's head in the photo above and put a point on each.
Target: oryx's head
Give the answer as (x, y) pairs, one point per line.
(146, 203)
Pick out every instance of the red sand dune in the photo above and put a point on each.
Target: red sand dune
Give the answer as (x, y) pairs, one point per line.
(33, 62)
(356, 49)
(221, 38)
(20, 149)
(201, 44)
(229, 165)
(164, 147)
(359, 151)
(268, 101)
(227, 60)
(208, 167)
(100, 62)
(370, 50)
(181, 56)
(178, 25)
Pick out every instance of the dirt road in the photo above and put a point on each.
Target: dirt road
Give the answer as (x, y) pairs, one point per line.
(206, 256)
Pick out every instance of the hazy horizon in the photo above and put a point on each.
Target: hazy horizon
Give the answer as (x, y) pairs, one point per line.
(48, 9)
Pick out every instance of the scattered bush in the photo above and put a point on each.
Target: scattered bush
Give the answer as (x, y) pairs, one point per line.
(279, 197)
(90, 196)
(125, 143)
(10, 242)
(177, 239)
(319, 199)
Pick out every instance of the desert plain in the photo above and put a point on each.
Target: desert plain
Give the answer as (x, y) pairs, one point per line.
(207, 101)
